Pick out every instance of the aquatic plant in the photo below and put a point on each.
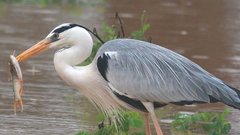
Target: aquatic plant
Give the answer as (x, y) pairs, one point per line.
(132, 124)
(208, 122)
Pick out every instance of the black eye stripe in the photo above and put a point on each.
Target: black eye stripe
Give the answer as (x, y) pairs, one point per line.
(64, 28)
(69, 26)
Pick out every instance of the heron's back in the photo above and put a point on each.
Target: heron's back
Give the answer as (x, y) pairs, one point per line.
(148, 72)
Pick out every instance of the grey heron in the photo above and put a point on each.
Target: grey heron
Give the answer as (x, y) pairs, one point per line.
(131, 74)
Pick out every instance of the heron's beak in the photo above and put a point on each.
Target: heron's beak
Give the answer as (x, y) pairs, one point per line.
(34, 50)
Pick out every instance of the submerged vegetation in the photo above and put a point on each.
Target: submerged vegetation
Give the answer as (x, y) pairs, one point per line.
(132, 124)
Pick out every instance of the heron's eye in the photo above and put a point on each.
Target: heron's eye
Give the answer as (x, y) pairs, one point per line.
(55, 37)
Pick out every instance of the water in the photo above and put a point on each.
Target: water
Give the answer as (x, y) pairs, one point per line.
(204, 31)
(50, 106)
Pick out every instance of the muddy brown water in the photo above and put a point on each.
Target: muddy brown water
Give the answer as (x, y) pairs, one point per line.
(206, 32)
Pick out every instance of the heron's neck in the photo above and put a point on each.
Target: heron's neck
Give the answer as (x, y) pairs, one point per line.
(64, 60)
(72, 56)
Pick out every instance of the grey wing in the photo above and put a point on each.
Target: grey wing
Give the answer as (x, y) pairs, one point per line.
(148, 72)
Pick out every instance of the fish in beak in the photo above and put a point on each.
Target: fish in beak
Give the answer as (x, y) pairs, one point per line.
(16, 73)
(34, 50)
(17, 79)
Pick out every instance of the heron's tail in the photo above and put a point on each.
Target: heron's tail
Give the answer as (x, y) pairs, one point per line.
(234, 104)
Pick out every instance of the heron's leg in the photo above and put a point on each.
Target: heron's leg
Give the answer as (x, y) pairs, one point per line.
(21, 87)
(146, 123)
(150, 108)
(156, 124)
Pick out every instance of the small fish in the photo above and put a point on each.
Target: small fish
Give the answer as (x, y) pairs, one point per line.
(16, 77)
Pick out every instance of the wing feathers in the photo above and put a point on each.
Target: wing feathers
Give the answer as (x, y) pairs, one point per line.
(153, 73)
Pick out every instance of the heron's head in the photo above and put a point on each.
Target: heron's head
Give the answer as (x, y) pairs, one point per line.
(64, 35)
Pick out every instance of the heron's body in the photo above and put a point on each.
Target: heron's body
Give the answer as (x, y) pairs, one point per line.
(150, 73)
(132, 74)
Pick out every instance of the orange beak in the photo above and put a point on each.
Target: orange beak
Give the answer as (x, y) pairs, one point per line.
(34, 50)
